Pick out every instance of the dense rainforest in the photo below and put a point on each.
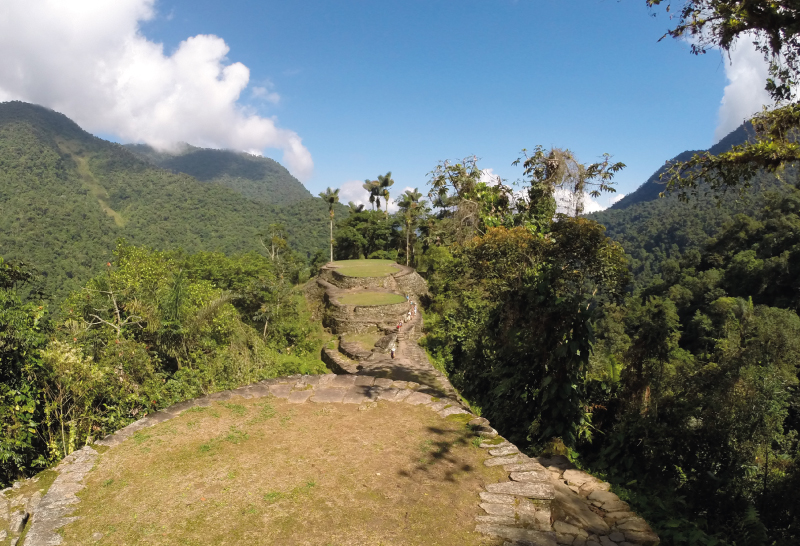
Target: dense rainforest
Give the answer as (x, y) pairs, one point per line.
(67, 196)
(656, 344)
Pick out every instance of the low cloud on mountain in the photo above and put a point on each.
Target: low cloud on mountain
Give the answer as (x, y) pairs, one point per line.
(89, 60)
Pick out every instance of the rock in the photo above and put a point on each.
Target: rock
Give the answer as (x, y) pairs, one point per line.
(515, 534)
(485, 445)
(634, 524)
(499, 461)
(479, 422)
(364, 381)
(14, 542)
(537, 490)
(603, 496)
(565, 539)
(3, 535)
(577, 477)
(3, 508)
(558, 461)
(496, 498)
(532, 515)
(492, 509)
(530, 476)
(573, 509)
(579, 541)
(615, 506)
(343, 381)
(592, 543)
(506, 450)
(567, 529)
(419, 398)
(97, 536)
(645, 539)
(606, 541)
(280, 391)
(299, 397)
(36, 498)
(487, 432)
(440, 405)
(453, 410)
(327, 395)
(497, 520)
(17, 521)
(358, 395)
(527, 466)
(616, 536)
(619, 516)
(383, 382)
(593, 485)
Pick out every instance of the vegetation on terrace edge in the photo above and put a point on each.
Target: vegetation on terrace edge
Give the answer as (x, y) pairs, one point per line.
(154, 329)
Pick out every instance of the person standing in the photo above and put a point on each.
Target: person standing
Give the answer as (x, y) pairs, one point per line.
(393, 348)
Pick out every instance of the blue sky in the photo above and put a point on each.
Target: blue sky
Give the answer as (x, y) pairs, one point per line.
(373, 86)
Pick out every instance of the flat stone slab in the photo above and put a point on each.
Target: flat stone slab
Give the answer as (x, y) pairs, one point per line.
(453, 410)
(343, 381)
(531, 490)
(364, 381)
(299, 397)
(419, 398)
(493, 509)
(529, 536)
(530, 476)
(358, 395)
(497, 498)
(502, 451)
(328, 396)
(527, 466)
(383, 382)
(280, 390)
(496, 446)
(496, 520)
(499, 461)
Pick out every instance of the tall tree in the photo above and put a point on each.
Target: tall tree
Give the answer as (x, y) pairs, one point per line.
(331, 197)
(372, 188)
(384, 183)
(355, 208)
(409, 204)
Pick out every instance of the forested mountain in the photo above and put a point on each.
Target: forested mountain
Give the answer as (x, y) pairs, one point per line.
(653, 229)
(67, 196)
(259, 178)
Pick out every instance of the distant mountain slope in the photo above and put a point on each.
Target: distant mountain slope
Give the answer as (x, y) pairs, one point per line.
(653, 186)
(66, 196)
(259, 178)
(652, 230)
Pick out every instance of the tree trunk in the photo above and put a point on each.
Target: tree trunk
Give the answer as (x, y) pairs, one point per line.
(408, 237)
(331, 238)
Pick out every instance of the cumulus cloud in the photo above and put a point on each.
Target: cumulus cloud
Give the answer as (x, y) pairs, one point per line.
(745, 94)
(565, 202)
(617, 198)
(89, 60)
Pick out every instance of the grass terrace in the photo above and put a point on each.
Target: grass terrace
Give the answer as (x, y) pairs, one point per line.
(366, 268)
(264, 472)
(369, 297)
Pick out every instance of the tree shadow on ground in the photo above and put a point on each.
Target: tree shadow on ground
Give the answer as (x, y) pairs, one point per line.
(438, 453)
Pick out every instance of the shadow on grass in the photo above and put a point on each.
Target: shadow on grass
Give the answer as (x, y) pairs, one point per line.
(440, 452)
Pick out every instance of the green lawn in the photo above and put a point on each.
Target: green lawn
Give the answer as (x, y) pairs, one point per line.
(365, 268)
(368, 297)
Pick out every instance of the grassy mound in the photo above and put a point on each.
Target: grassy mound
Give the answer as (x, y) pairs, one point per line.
(366, 268)
(368, 297)
(264, 471)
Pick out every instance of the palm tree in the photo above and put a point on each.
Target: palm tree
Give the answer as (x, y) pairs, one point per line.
(372, 187)
(355, 208)
(384, 183)
(409, 203)
(331, 197)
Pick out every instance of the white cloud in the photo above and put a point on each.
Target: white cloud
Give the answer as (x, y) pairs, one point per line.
(617, 198)
(745, 94)
(565, 202)
(89, 60)
(488, 177)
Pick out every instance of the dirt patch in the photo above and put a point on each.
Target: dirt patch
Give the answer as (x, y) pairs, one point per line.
(269, 472)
